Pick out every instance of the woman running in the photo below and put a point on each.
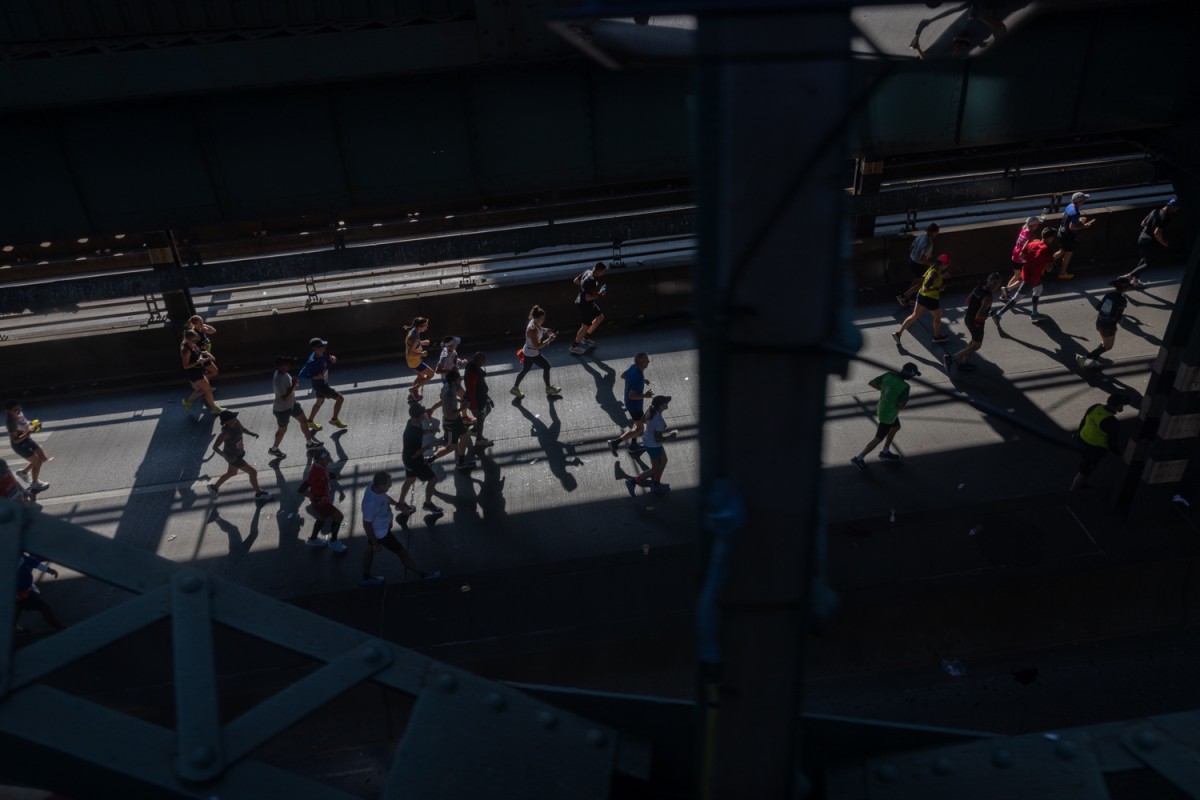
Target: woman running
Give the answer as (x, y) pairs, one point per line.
(655, 434)
(414, 353)
(1018, 255)
(196, 323)
(1108, 313)
(194, 362)
(929, 298)
(537, 337)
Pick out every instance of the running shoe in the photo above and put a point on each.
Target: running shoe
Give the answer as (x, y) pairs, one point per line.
(1036, 318)
(516, 392)
(38, 486)
(888, 455)
(213, 490)
(314, 444)
(577, 350)
(859, 463)
(1065, 276)
(631, 487)
(24, 472)
(482, 442)
(941, 338)
(372, 580)
(553, 390)
(275, 451)
(432, 510)
(896, 338)
(589, 342)
(262, 496)
(316, 541)
(216, 409)
(337, 423)
(948, 362)
(336, 546)
(612, 445)
(187, 406)
(659, 486)
(316, 426)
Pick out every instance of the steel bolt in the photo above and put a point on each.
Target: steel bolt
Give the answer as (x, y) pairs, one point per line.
(371, 654)
(887, 773)
(943, 765)
(1146, 740)
(202, 757)
(494, 701)
(448, 682)
(548, 719)
(191, 584)
(596, 738)
(1066, 751)
(1003, 759)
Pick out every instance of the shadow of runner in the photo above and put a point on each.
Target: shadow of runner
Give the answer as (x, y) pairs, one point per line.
(238, 547)
(288, 517)
(606, 385)
(555, 453)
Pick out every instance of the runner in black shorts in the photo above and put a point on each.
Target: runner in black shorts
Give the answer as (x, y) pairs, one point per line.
(415, 466)
(286, 408)
(978, 303)
(1109, 310)
(20, 434)
(229, 445)
(590, 315)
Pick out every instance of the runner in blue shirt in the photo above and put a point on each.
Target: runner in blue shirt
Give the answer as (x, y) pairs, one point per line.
(635, 393)
(316, 369)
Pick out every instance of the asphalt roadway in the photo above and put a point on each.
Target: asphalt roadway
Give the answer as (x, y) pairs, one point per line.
(133, 466)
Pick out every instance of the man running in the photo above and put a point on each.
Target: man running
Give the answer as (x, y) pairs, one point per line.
(317, 490)
(893, 397)
(478, 400)
(231, 442)
(286, 408)
(20, 434)
(920, 259)
(1038, 256)
(457, 438)
(635, 395)
(1108, 313)
(316, 369)
(377, 524)
(1072, 221)
(416, 467)
(1152, 240)
(590, 315)
(1097, 436)
(28, 596)
(978, 303)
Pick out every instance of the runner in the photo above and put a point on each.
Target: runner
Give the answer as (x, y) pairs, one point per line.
(1027, 231)
(286, 408)
(478, 400)
(978, 303)
(635, 393)
(929, 298)
(377, 523)
(414, 351)
(416, 467)
(449, 359)
(28, 596)
(316, 369)
(1098, 435)
(920, 259)
(1108, 313)
(195, 361)
(590, 315)
(10, 489)
(204, 330)
(230, 439)
(316, 488)
(457, 439)
(1038, 257)
(655, 434)
(1072, 221)
(1152, 240)
(537, 337)
(20, 434)
(893, 397)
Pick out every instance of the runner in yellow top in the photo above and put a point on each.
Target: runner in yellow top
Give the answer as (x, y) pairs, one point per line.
(1097, 435)
(929, 297)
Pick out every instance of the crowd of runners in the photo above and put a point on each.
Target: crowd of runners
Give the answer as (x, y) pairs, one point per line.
(1040, 250)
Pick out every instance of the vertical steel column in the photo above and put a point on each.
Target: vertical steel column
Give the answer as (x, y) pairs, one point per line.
(868, 179)
(773, 93)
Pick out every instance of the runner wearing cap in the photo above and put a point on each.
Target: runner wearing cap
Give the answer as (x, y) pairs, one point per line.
(449, 359)
(316, 488)
(285, 406)
(316, 369)
(377, 524)
(1152, 240)
(1028, 231)
(1109, 311)
(929, 297)
(920, 259)
(978, 303)
(230, 441)
(1038, 256)
(893, 396)
(1072, 221)
(1098, 435)
(655, 434)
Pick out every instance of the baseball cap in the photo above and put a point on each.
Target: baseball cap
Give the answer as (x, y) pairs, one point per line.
(943, 259)
(1036, 219)
(910, 369)
(1075, 198)
(451, 340)
(660, 400)
(317, 341)
(1174, 201)
(227, 415)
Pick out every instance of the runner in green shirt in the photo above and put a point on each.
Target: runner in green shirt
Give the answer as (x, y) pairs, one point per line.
(893, 395)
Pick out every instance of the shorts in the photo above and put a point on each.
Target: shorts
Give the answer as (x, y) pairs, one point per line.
(417, 468)
(282, 417)
(1066, 240)
(655, 452)
(588, 312)
(1090, 457)
(886, 427)
(237, 461)
(322, 389)
(455, 429)
(26, 447)
(1107, 328)
(324, 509)
(974, 329)
(387, 541)
(636, 415)
(194, 374)
(932, 303)
(31, 602)
(421, 366)
(917, 270)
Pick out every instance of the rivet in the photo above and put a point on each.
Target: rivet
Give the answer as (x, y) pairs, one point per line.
(448, 682)
(596, 738)
(1146, 740)
(371, 654)
(1066, 751)
(191, 584)
(943, 765)
(494, 701)
(203, 756)
(547, 719)
(887, 773)
(1003, 759)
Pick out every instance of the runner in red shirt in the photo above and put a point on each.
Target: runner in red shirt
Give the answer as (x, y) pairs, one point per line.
(1039, 254)
(317, 484)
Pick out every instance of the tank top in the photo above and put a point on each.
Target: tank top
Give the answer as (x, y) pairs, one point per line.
(1092, 433)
